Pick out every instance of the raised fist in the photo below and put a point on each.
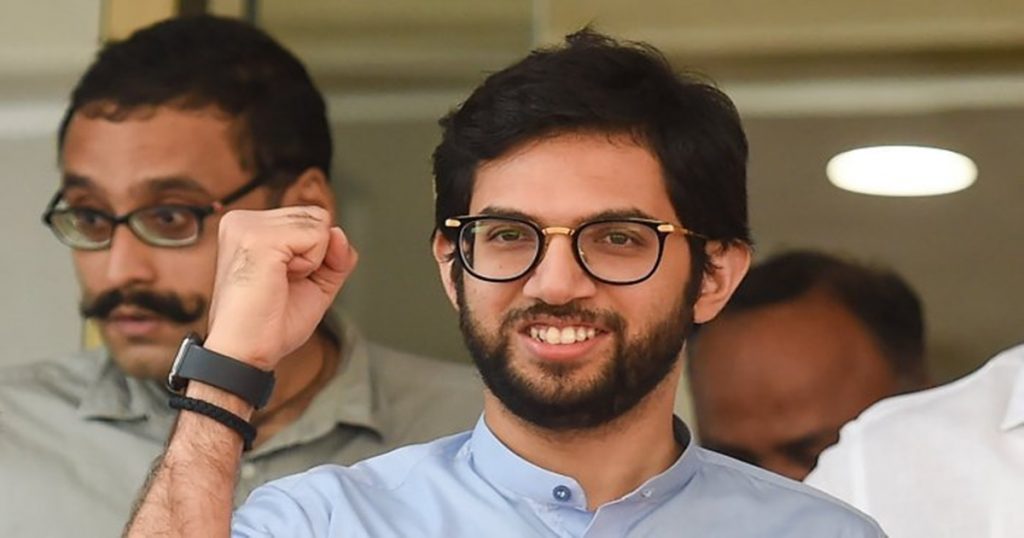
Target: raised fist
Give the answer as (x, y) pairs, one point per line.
(277, 273)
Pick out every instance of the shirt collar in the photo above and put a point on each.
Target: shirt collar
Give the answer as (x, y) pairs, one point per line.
(349, 398)
(1015, 406)
(506, 470)
(113, 396)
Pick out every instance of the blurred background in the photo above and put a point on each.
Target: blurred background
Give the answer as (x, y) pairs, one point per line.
(810, 78)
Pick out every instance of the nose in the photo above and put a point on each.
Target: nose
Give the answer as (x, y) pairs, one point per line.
(558, 278)
(130, 261)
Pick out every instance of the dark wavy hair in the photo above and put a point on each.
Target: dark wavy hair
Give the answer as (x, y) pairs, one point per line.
(595, 84)
(280, 118)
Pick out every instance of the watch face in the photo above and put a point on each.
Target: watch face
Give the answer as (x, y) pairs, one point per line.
(173, 381)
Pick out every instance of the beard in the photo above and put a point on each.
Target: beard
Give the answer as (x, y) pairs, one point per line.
(636, 366)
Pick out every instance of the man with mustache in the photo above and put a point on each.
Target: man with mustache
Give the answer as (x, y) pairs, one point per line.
(590, 208)
(165, 132)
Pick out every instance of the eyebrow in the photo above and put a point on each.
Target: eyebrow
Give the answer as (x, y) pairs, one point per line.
(736, 452)
(793, 449)
(807, 442)
(630, 213)
(73, 180)
(153, 186)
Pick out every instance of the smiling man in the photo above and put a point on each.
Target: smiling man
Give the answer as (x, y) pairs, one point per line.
(590, 208)
(165, 132)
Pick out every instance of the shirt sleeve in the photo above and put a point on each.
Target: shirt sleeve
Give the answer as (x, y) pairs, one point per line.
(271, 512)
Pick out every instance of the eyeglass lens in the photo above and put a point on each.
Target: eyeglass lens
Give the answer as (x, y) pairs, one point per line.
(159, 226)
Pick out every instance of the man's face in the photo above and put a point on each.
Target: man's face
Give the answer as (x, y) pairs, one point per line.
(627, 338)
(146, 298)
(773, 385)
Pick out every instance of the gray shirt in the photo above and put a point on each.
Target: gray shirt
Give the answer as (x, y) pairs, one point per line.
(77, 437)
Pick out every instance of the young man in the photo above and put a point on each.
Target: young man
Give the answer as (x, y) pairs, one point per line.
(590, 209)
(806, 343)
(165, 131)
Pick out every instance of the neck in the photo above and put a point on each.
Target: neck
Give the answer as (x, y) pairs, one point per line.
(608, 461)
(299, 377)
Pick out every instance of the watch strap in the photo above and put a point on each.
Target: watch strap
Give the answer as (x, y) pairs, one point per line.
(245, 381)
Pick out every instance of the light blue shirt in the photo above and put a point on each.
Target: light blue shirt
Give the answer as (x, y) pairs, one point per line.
(471, 484)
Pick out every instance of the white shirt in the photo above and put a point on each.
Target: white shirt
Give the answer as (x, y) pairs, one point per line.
(943, 462)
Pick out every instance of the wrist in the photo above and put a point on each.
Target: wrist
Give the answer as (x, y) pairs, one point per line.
(220, 397)
(240, 426)
(240, 349)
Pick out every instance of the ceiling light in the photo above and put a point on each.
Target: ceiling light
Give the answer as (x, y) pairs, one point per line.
(901, 171)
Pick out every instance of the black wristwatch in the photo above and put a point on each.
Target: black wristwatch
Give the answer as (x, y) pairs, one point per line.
(196, 362)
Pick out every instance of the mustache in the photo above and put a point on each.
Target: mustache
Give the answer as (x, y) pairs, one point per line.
(166, 305)
(612, 320)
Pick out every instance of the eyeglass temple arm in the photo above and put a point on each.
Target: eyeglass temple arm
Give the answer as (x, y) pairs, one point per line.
(672, 228)
(252, 185)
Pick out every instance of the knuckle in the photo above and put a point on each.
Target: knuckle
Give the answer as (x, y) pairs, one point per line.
(307, 217)
(232, 222)
(240, 229)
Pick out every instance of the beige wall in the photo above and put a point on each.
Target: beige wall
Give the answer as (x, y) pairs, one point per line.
(43, 44)
(385, 203)
(385, 71)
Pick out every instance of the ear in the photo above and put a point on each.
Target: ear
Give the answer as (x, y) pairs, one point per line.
(729, 264)
(310, 188)
(444, 255)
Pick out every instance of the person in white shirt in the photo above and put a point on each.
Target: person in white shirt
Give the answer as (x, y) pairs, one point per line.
(939, 463)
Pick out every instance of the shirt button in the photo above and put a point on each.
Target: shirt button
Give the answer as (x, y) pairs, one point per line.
(561, 493)
(646, 493)
(248, 471)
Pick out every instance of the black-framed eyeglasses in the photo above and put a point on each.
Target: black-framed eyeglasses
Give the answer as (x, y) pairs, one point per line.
(617, 251)
(171, 225)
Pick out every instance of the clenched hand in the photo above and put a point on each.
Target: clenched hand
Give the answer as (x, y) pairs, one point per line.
(277, 273)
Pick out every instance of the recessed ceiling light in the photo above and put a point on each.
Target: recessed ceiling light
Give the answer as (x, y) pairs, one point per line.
(901, 171)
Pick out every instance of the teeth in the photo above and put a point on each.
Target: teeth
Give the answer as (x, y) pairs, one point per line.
(565, 335)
